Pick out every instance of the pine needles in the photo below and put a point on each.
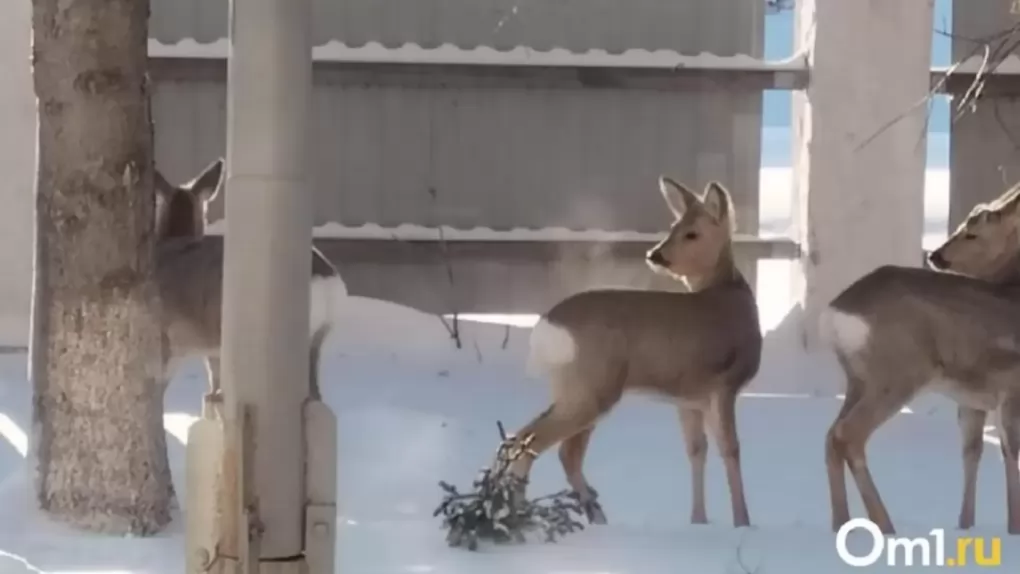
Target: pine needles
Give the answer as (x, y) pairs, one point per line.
(497, 511)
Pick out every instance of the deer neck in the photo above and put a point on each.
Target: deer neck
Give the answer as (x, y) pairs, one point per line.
(724, 272)
(1008, 276)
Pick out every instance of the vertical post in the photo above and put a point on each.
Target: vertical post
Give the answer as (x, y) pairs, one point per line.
(983, 160)
(17, 164)
(860, 196)
(267, 260)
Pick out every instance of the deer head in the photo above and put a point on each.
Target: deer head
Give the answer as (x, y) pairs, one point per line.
(697, 248)
(181, 210)
(987, 243)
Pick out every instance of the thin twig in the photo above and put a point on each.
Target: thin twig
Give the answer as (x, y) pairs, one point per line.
(444, 250)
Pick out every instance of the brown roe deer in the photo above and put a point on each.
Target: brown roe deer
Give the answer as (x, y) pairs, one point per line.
(189, 274)
(698, 349)
(955, 330)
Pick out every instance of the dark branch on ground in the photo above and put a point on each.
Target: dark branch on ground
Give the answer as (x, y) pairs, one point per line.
(497, 512)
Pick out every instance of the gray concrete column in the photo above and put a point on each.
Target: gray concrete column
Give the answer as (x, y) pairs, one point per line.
(17, 164)
(268, 263)
(983, 143)
(860, 196)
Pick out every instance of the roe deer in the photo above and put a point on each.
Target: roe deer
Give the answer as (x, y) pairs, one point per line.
(955, 330)
(189, 275)
(698, 349)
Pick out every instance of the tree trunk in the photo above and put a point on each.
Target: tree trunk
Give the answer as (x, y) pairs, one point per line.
(96, 353)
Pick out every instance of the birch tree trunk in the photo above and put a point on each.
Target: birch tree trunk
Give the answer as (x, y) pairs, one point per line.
(96, 353)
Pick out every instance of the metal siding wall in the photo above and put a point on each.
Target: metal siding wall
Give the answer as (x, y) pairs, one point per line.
(982, 146)
(496, 157)
(724, 27)
(499, 158)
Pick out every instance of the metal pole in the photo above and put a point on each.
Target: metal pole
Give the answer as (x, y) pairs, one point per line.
(267, 259)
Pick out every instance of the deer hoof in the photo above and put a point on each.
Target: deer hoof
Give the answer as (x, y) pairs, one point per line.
(593, 510)
(699, 518)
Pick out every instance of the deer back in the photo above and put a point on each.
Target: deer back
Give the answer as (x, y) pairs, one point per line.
(932, 323)
(682, 345)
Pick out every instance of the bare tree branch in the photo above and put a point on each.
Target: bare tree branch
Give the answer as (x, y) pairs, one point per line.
(454, 328)
(994, 49)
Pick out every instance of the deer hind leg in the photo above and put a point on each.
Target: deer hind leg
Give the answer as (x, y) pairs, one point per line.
(1009, 440)
(692, 420)
(851, 436)
(212, 402)
(723, 422)
(572, 451)
(562, 420)
(972, 429)
(835, 458)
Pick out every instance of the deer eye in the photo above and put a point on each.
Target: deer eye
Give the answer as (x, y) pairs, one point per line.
(969, 236)
(691, 235)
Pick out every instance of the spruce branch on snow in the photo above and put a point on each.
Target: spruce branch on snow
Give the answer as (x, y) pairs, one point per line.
(497, 512)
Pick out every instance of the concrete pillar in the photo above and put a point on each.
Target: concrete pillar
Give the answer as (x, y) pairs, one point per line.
(860, 196)
(17, 164)
(983, 157)
(267, 256)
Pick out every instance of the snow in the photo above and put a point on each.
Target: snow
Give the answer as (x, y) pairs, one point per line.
(414, 410)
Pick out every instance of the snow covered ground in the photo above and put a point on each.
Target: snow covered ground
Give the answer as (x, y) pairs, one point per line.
(414, 410)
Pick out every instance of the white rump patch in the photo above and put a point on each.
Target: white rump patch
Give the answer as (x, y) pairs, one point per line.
(327, 298)
(550, 346)
(843, 331)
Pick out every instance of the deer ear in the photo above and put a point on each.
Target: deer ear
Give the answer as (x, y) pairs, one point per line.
(717, 202)
(678, 198)
(162, 186)
(207, 184)
(1010, 201)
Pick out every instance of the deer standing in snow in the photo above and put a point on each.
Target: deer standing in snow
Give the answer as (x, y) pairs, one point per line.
(698, 349)
(189, 275)
(956, 330)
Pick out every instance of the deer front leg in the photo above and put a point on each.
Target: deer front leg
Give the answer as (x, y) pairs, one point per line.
(972, 426)
(692, 420)
(1009, 440)
(723, 420)
(212, 402)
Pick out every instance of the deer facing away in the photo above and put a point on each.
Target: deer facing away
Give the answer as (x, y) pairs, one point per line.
(698, 349)
(956, 330)
(189, 275)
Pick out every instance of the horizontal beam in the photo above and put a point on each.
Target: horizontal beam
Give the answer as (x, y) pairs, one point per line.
(449, 65)
(175, 69)
(450, 75)
(410, 250)
(958, 83)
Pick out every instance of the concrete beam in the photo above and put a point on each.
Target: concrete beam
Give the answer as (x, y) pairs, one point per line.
(859, 193)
